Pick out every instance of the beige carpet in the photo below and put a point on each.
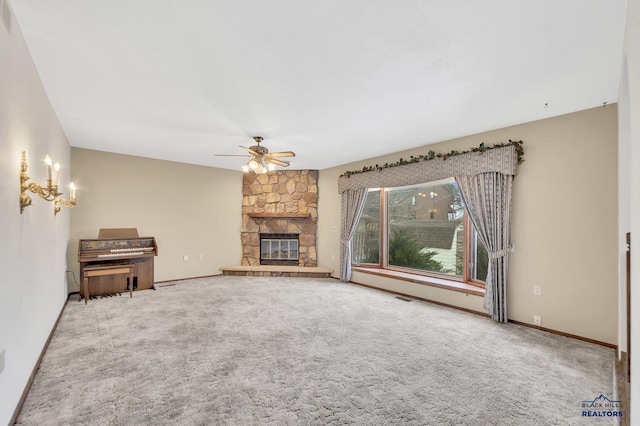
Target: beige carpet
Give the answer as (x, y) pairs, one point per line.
(289, 351)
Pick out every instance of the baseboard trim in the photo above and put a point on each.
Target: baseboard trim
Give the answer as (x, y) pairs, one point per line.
(562, 333)
(36, 367)
(484, 314)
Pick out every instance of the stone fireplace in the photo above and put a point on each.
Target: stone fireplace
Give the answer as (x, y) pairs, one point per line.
(280, 205)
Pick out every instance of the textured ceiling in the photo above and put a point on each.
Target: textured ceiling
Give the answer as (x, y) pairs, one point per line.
(335, 81)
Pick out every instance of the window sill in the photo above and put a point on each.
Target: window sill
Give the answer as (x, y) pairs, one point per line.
(420, 279)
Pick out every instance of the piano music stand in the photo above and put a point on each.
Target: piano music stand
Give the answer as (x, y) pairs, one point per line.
(101, 270)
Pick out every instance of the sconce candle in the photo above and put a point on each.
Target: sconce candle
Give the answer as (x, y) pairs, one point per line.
(72, 192)
(56, 174)
(47, 161)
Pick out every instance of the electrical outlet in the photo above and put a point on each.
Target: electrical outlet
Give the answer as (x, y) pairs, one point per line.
(2, 361)
(185, 258)
(537, 290)
(537, 320)
(201, 257)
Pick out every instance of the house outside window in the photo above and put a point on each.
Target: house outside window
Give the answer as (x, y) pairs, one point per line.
(421, 229)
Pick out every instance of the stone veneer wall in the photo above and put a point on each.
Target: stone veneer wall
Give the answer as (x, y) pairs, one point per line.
(280, 195)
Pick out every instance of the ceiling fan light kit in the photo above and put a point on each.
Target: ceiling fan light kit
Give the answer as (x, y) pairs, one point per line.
(261, 160)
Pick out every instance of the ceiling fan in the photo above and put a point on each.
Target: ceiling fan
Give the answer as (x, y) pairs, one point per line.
(261, 159)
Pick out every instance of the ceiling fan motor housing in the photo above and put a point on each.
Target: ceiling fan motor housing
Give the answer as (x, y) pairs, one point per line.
(257, 148)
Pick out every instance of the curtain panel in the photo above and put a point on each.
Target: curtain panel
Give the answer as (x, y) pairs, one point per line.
(352, 206)
(485, 180)
(487, 199)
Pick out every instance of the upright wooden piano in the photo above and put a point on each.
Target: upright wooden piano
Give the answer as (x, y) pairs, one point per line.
(116, 246)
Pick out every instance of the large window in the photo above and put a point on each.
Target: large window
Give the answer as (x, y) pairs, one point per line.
(421, 229)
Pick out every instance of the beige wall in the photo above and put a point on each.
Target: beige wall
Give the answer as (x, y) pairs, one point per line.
(190, 210)
(564, 223)
(33, 244)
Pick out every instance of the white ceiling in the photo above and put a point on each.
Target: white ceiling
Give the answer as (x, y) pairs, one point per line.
(335, 81)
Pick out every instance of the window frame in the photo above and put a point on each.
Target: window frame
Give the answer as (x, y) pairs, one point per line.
(383, 259)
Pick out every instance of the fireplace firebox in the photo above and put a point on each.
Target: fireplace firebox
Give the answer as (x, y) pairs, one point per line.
(279, 249)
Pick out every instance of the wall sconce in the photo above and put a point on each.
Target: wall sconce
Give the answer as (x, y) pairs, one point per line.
(49, 192)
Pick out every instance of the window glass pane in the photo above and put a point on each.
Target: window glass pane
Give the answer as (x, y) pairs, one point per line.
(480, 259)
(275, 249)
(366, 240)
(284, 249)
(426, 227)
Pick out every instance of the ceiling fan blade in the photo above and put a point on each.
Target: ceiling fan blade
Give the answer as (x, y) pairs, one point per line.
(250, 151)
(282, 154)
(233, 155)
(278, 162)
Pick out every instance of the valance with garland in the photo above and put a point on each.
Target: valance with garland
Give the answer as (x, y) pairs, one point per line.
(503, 159)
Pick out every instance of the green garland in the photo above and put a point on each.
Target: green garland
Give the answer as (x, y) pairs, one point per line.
(432, 154)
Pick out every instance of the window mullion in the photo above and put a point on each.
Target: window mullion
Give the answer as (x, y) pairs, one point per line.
(466, 256)
(384, 243)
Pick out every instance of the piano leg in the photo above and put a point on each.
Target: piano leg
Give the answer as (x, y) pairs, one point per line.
(85, 289)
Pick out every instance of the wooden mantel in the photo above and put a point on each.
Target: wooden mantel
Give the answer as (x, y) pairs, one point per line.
(279, 215)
